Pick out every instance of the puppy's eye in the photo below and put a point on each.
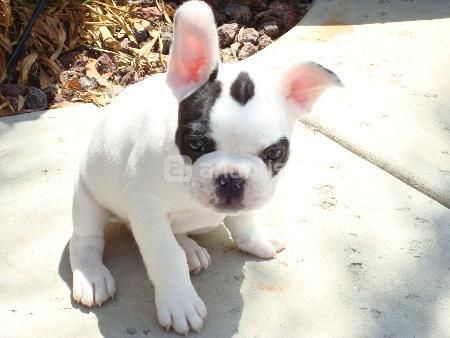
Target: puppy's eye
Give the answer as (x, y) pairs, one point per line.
(273, 154)
(196, 144)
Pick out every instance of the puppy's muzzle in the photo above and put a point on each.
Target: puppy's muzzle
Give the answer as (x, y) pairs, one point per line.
(230, 190)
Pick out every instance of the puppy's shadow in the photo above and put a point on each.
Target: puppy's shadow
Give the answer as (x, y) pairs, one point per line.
(132, 311)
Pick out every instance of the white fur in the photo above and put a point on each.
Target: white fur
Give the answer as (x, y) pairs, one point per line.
(195, 43)
(124, 173)
(258, 186)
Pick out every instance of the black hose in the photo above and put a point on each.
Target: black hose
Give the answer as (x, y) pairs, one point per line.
(25, 34)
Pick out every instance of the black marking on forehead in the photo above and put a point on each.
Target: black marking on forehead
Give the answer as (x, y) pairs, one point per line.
(194, 118)
(275, 166)
(243, 88)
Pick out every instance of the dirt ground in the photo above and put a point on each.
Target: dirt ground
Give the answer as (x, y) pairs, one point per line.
(89, 51)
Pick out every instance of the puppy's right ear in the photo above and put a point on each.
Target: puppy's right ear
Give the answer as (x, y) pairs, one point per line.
(195, 49)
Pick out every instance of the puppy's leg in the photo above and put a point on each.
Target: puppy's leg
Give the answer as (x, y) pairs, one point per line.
(92, 281)
(197, 257)
(253, 238)
(177, 302)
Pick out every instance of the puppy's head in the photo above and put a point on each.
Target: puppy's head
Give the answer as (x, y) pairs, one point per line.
(234, 121)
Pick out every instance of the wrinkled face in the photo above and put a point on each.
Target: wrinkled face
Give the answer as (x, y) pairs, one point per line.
(234, 122)
(234, 138)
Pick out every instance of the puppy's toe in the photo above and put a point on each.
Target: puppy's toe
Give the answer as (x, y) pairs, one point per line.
(197, 257)
(277, 241)
(198, 260)
(179, 323)
(93, 286)
(183, 311)
(265, 245)
(259, 248)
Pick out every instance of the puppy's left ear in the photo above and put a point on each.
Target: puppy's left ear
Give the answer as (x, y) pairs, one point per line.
(303, 84)
(195, 49)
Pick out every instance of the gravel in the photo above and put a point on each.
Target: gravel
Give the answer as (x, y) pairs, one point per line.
(248, 49)
(227, 32)
(36, 99)
(248, 35)
(244, 28)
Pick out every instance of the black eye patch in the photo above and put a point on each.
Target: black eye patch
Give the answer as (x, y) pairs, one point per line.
(194, 111)
(276, 155)
(197, 145)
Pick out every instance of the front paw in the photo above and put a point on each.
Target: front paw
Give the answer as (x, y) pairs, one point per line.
(265, 245)
(180, 308)
(197, 257)
(93, 285)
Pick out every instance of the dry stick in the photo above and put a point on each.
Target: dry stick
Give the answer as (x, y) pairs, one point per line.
(133, 15)
(120, 10)
(23, 38)
(125, 56)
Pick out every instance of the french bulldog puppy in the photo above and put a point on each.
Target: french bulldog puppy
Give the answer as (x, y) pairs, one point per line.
(180, 153)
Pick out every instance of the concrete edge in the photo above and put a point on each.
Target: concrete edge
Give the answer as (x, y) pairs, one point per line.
(432, 192)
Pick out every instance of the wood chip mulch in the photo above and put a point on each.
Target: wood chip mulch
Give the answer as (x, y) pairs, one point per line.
(87, 51)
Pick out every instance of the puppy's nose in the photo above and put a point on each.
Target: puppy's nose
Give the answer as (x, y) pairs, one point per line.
(230, 187)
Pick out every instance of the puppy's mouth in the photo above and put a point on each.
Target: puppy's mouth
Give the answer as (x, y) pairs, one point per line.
(229, 208)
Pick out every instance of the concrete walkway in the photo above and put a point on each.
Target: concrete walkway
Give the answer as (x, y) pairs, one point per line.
(368, 255)
(393, 57)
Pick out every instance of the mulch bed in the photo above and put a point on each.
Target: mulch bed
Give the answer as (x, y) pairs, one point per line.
(87, 51)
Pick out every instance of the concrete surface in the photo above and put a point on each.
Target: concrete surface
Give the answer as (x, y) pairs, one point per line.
(368, 255)
(394, 59)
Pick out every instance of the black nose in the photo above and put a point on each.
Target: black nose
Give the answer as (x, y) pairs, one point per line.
(230, 187)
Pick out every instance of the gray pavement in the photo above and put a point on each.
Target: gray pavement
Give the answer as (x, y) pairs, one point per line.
(393, 57)
(367, 256)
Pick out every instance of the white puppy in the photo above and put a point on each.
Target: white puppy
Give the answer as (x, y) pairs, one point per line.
(183, 152)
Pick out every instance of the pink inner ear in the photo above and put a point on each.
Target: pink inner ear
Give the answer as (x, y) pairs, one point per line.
(195, 68)
(304, 83)
(305, 91)
(195, 62)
